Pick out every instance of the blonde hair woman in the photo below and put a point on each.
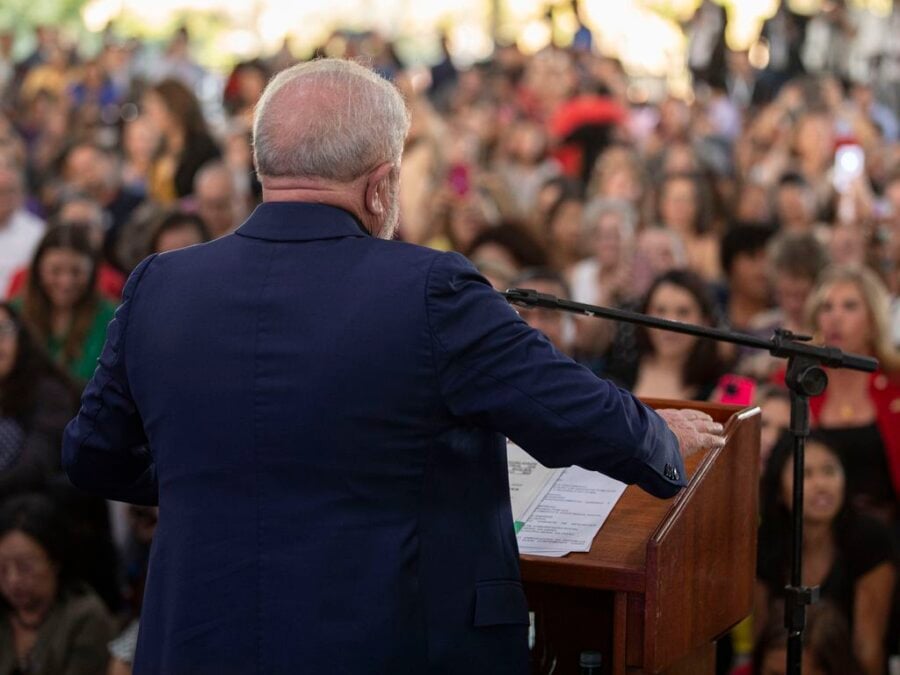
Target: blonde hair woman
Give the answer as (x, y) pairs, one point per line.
(860, 412)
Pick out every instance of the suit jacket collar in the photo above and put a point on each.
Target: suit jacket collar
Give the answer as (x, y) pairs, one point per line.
(300, 221)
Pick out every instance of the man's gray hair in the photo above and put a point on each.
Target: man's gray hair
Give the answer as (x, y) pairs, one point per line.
(356, 120)
(599, 207)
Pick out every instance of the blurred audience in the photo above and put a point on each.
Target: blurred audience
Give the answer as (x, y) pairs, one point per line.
(50, 622)
(558, 327)
(674, 365)
(20, 231)
(827, 646)
(61, 302)
(185, 141)
(37, 399)
(858, 413)
(848, 555)
(726, 203)
(743, 255)
(177, 230)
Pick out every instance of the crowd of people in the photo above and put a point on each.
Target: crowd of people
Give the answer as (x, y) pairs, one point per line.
(768, 199)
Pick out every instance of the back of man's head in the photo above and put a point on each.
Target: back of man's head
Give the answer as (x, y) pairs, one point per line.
(328, 119)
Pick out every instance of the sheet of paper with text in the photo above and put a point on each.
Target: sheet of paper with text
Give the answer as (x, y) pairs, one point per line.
(557, 511)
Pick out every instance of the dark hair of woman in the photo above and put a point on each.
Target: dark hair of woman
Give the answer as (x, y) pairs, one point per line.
(176, 221)
(705, 364)
(702, 196)
(566, 197)
(775, 515)
(198, 145)
(19, 389)
(38, 308)
(516, 239)
(37, 516)
(183, 105)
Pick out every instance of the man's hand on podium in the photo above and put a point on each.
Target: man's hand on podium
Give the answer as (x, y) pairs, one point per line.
(694, 430)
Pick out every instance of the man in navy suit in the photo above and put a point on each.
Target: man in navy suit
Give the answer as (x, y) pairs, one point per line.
(320, 413)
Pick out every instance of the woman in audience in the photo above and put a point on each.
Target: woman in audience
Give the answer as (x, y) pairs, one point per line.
(140, 138)
(858, 411)
(550, 192)
(508, 245)
(656, 251)
(684, 209)
(185, 142)
(49, 622)
(460, 219)
(673, 365)
(563, 231)
(620, 173)
(37, 400)
(848, 555)
(608, 228)
(61, 303)
(177, 230)
(604, 278)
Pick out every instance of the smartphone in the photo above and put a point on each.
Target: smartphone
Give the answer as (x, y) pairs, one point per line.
(736, 390)
(458, 177)
(849, 164)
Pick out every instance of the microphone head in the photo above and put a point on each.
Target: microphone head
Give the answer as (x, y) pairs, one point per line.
(523, 297)
(528, 297)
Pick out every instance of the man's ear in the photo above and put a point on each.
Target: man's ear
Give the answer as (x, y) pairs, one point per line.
(377, 185)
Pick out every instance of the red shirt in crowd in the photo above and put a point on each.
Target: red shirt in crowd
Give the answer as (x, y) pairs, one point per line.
(110, 282)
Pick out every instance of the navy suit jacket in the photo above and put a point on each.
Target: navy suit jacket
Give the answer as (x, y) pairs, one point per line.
(320, 415)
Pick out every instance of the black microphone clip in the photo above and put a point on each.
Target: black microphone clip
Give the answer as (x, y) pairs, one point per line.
(528, 297)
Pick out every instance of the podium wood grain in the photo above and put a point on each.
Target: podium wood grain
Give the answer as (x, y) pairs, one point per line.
(664, 578)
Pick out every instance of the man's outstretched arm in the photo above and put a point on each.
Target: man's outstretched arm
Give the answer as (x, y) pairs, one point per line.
(498, 373)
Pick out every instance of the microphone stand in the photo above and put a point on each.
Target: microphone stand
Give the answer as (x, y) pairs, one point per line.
(805, 377)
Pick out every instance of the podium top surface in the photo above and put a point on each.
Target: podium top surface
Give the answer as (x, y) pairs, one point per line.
(618, 557)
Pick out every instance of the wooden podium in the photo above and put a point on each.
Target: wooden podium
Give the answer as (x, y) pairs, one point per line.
(663, 578)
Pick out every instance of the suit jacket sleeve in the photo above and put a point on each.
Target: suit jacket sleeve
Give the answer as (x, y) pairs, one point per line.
(497, 372)
(104, 448)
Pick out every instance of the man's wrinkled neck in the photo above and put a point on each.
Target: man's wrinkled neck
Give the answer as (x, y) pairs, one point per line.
(347, 196)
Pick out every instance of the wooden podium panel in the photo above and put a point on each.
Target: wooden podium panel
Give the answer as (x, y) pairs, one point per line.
(663, 578)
